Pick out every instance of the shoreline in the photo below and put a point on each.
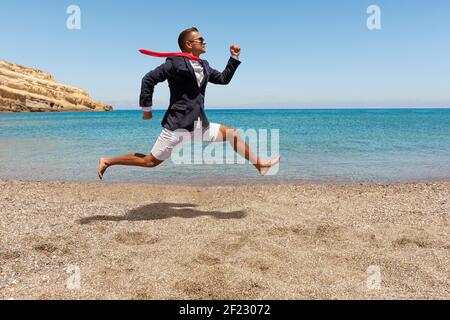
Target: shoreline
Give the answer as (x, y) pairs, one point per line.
(209, 183)
(283, 241)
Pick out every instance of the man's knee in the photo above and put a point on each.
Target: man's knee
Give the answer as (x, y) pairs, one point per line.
(151, 161)
(230, 134)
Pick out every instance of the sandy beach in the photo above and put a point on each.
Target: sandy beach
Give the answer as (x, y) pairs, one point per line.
(70, 240)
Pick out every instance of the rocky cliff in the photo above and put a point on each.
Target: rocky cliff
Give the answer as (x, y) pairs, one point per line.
(25, 89)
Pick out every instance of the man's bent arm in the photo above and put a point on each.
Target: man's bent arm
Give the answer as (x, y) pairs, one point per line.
(224, 77)
(160, 74)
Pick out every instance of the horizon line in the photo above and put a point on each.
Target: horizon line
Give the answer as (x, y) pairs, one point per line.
(302, 108)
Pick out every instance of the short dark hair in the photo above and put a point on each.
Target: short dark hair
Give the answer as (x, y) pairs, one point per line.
(184, 36)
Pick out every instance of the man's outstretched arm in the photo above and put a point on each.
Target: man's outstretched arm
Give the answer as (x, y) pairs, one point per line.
(225, 77)
(149, 82)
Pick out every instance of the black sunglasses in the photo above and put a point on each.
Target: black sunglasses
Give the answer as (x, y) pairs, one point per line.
(200, 40)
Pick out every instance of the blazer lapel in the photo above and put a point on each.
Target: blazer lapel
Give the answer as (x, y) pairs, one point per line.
(191, 69)
(205, 73)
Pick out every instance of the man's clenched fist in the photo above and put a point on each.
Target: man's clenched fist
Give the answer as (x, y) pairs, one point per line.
(235, 50)
(147, 115)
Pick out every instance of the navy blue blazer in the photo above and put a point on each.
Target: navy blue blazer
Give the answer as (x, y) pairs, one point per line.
(187, 99)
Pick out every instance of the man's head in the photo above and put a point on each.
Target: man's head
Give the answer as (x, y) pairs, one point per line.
(191, 41)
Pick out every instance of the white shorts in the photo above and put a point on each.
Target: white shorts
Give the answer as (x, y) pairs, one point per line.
(168, 139)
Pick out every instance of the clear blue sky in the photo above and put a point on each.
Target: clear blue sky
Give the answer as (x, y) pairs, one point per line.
(294, 53)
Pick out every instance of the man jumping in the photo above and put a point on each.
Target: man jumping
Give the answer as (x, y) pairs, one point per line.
(188, 78)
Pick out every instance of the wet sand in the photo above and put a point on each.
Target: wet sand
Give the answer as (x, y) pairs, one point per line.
(70, 240)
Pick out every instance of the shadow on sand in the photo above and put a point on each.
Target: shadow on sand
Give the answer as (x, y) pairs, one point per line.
(158, 211)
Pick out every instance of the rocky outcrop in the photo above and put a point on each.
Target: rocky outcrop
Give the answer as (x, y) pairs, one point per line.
(25, 89)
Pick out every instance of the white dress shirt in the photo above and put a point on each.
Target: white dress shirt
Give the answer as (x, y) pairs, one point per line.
(198, 70)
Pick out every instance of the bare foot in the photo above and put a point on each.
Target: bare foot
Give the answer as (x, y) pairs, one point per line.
(265, 166)
(102, 166)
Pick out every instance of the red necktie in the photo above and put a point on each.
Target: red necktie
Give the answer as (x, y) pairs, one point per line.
(169, 54)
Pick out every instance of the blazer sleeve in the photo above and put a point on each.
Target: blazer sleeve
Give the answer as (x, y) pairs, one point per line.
(224, 77)
(160, 74)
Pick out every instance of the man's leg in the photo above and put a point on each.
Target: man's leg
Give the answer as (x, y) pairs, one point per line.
(243, 149)
(133, 159)
(160, 152)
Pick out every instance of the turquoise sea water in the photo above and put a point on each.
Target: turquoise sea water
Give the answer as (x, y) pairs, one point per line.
(388, 145)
